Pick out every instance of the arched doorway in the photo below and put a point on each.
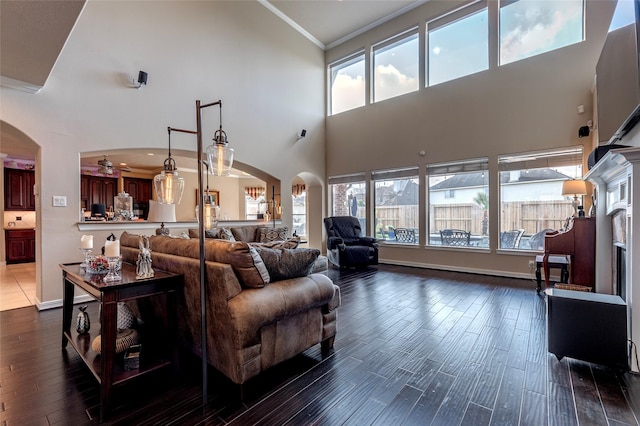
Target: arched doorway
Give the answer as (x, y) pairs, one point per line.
(19, 263)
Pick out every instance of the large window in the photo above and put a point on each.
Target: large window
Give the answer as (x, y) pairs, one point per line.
(347, 84)
(531, 200)
(349, 197)
(458, 45)
(531, 27)
(459, 204)
(395, 65)
(396, 205)
(299, 202)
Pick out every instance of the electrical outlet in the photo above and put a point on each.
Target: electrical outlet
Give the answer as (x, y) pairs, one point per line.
(532, 264)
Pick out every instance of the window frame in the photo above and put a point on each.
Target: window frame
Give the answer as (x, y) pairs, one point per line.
(449, 168)
(449, 18)
(541, 159)
(344, 62)
(405, 173)
(388, 44)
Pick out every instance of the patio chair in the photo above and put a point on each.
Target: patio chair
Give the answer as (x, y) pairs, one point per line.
(536, 242)
(405, 235)
(455, 237)
(511, 239)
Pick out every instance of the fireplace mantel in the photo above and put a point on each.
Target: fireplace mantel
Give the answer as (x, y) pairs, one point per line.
(616, 178)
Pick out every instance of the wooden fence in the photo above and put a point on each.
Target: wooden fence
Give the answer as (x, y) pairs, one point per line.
(532, 216)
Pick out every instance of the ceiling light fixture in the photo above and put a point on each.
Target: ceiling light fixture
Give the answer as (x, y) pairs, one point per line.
(106, 166)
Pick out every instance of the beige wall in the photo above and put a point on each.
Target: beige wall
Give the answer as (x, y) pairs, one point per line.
(523, 106)
(269, 77)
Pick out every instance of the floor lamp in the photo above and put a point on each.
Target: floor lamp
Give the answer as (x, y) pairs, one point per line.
(220, 159)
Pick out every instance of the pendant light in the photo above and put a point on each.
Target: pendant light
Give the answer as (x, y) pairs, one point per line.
(168, 184)
(219, 155)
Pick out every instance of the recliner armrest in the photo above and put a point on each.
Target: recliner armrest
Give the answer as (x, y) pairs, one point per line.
(369, 241)
(333, 242)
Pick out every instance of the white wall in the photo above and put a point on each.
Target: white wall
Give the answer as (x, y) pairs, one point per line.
(269, 77)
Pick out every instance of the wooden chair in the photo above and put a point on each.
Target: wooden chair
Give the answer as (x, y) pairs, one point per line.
(455, 237)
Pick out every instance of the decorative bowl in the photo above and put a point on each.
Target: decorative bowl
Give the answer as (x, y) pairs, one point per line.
(100, 265)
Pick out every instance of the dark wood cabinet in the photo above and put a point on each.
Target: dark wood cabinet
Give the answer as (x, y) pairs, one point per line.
(140, 190)
(18, 189)
(97, 190)
(20, 245)
(579, 243)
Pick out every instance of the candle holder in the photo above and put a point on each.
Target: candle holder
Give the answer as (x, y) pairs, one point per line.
(114, 274)
(85, 252)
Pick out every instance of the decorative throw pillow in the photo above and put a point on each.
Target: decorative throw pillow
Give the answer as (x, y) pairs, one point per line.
(225, 234)
(283, 263)
(272, 234)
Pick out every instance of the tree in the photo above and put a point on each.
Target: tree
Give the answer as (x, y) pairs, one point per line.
(482, 199)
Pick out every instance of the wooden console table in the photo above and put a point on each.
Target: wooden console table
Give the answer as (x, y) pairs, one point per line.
(105, 368)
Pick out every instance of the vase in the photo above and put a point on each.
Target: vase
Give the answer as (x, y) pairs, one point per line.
(83, 324)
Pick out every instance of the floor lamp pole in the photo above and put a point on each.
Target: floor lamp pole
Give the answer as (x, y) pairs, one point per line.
(203, 280)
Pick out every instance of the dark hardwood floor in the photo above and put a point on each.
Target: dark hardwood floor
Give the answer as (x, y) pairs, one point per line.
(414, 347)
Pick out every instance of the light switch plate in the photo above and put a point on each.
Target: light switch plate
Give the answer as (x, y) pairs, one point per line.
(59, 201)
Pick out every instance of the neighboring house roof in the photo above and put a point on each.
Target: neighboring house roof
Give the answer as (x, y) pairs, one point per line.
(467, 180)
(407, 196)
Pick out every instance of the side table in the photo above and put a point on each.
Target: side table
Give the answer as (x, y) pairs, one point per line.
(105, 368)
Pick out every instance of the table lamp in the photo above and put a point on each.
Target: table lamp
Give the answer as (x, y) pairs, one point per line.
(162, 213)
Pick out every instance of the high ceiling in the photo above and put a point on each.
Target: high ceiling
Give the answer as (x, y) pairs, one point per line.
(33, 33)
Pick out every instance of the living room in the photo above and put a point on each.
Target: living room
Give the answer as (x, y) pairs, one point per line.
(273, 83)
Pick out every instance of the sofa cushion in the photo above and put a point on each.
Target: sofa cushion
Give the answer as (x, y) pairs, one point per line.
(284, 264)
(266, 235)
(245, 233)
(235, 253)
(208, 233)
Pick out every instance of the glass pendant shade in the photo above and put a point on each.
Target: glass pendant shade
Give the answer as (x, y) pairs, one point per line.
(220, 158)
(211, 213)
(169, 187)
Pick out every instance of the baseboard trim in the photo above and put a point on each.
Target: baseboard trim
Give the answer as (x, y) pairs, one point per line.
(52, 304)
(491, 272)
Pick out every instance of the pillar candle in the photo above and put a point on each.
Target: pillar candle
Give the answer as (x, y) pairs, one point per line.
(86, 242)
(112, 248)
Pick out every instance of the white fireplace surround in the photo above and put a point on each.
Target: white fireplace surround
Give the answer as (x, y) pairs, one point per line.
(616, 178)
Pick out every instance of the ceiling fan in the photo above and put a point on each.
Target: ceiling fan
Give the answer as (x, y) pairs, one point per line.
(106, 167)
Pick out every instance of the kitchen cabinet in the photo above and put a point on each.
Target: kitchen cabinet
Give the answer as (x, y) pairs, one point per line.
(97, 190)
(20, 245)
(18, 189)
(140, 190)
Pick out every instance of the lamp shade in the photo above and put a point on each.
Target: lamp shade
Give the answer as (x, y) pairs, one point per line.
(574, 187)
(159, 212)
(169, 187)
(220, 158)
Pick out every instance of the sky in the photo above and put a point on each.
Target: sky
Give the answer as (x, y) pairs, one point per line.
(528, 28)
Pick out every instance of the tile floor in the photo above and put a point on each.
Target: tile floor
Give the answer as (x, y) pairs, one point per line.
(17, 286)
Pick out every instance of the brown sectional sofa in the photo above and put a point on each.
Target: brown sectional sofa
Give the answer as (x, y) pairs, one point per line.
(252, 234)
(251, 324)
